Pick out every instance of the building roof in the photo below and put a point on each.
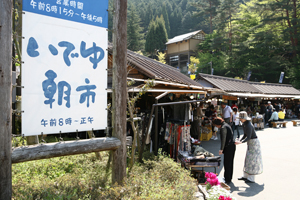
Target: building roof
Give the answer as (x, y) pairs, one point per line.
(273, 88)
(229, 84)
(183, 37)
(158, 71)
(243, 86)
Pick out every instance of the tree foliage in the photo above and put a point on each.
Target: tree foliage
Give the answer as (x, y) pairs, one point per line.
(161, 57)
(135, 37)
(156, 36)
(261, 36)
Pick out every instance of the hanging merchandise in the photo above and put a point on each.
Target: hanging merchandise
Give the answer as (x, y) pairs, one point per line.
(168, 129)
(185, 144)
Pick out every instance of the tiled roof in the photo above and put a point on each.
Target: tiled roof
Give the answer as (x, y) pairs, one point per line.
(156, 70)
(273, 88)
(235, 85)
(182, 37)
(229, 84)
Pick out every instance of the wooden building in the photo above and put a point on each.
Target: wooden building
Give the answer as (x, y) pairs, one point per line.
(180, 48)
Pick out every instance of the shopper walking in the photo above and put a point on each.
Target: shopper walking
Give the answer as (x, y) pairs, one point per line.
(227, 147)
(236, 122)
(253, 162)
(226, 113)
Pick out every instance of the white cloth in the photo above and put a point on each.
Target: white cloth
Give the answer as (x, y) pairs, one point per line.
(249, 177)
(236, 119)
(226, 112)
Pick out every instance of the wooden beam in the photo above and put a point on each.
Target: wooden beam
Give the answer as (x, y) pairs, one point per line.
(119, 96)
(5, 98)
(51, 150)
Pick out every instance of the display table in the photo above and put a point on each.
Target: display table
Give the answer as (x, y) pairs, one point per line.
(197, 165)
(258, 122)
(194, 163)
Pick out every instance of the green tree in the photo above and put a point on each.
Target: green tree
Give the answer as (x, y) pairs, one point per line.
(156, 36)
(175, 22)
(161, 33)
(150, 45)
(207, 8)
(284, 15)
(166, 17)
(149, 15)
(135, 39)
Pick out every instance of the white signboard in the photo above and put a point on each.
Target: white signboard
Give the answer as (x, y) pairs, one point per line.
(64, 70)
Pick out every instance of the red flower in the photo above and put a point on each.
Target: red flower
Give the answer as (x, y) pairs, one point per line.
(207, 175)
(213, 176)
(222, 198)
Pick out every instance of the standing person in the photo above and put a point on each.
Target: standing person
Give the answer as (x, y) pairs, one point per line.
(226, 113)
(236, 122)
(276, 107)
(253, 162)
(269, 112)
(233, 105)
(214, 114)
(227, 147)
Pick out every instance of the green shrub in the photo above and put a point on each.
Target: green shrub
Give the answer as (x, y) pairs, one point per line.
(85, 177)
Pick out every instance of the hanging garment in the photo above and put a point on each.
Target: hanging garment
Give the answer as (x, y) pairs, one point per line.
(168, 127)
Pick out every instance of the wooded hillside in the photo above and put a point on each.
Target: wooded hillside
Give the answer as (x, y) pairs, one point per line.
(243, 37)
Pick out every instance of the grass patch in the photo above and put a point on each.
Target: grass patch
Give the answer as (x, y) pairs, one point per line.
(85, 177)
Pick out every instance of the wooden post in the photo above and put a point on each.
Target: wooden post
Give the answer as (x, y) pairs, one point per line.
(31, 140)
(51, 150)
(119, 88)
(5, 98)
(156, 129)
(91, 135)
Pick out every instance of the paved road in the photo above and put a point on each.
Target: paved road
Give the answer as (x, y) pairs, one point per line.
(281, 161)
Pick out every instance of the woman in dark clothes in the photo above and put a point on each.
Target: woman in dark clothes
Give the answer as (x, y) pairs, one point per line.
(227, 147)
(253, 161)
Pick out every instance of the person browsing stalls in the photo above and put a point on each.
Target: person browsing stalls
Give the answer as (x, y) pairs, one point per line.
(227, 147)
(253, 164)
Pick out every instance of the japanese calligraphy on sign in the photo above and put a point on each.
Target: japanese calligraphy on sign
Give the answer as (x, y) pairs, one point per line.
(64, 71)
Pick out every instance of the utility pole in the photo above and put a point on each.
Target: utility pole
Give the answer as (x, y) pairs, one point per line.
(119, 95)
(5, 98)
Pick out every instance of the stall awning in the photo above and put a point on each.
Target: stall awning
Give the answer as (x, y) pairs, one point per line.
(170, 91)
(166, 90)
(263, 95)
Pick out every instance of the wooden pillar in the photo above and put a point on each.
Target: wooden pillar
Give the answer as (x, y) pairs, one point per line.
(119, 88)
(5, 98)
(156, 129)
